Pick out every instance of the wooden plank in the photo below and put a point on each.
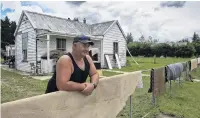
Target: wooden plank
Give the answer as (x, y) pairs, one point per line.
(108, 61)
(118, 63)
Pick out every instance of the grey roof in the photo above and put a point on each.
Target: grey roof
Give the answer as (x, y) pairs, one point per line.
(52, 23)
(100, 28)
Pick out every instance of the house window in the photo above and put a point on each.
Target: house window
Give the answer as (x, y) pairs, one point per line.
(115, 49)
(61, 44)
(24, 45)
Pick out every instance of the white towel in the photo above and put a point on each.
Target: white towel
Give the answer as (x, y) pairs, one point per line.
(193, 64)
(140, 83)
(198, 60)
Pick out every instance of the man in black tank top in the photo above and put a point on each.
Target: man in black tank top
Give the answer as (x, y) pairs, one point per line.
(73, 69)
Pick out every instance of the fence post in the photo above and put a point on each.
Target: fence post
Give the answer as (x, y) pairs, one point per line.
(130, 106)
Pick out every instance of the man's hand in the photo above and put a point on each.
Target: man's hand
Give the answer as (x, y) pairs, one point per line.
(88, 89)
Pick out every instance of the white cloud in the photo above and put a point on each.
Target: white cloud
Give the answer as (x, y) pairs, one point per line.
(147, 18)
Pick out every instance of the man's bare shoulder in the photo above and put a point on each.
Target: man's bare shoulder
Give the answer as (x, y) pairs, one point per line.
(64, 60)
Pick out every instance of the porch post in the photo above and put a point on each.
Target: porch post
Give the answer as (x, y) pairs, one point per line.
(48, 52)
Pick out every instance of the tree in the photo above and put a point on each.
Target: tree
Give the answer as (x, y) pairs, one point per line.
(13, 28)
(151, 40)
(197, 48)
(141, 39)
(129, 38)
(195, 37)
(185, 51)
(184, 40)
(7, 32)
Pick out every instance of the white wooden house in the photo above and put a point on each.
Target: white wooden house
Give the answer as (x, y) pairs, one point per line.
(58, 33)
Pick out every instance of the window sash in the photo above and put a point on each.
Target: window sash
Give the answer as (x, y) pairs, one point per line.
(24, 55)
(61, 44)
(24, 41)
(115, 49)
(24, 45)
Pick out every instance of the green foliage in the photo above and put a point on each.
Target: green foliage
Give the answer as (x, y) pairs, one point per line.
(7, 32)
(195, 38)
(185, 51)
(164, 49)
(129, 38)
(140, 48)
(197, 48)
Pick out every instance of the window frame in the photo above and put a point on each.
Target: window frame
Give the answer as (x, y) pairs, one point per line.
(61, 44)
(24, 49)
(115, 49)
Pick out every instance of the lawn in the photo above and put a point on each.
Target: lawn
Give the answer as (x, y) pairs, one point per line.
(15, 86)
(148, 63)
(183, 102)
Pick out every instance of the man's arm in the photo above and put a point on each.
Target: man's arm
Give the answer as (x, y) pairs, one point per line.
(94, 76)
(63, 74)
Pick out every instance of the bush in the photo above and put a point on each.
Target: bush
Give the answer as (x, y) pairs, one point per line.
(146, 49)
(139, 49)
(185, 51)
(162, 49)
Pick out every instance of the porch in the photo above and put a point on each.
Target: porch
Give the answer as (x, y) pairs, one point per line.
(50, 46)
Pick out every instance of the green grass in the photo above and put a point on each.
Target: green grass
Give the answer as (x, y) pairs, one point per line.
(148, 63)
(2, 60)
(184, 101)
(108, 74)
(15, 86)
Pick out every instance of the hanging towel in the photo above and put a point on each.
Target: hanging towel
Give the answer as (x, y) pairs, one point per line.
(151, 82)
(193, 64)
(184, 66)
(106, 101)
(157, 82)
(174, 71)
(198, 61)
(140, 83)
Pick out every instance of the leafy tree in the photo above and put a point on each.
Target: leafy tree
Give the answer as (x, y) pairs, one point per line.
(7, 32)
(195, 38)
(142, 39)
(197, 48)
(129, 38)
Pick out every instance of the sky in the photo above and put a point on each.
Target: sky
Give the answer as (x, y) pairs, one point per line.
(163, 20)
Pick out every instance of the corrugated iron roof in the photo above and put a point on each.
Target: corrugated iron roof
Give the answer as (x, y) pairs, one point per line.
(57, 24)
(100, 28)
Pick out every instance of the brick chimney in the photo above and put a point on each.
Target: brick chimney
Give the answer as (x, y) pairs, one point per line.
(84, 20)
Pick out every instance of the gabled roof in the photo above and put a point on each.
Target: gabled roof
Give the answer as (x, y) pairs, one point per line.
(57, 24)
(100, 28)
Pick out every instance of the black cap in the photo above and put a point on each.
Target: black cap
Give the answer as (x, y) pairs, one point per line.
(83, 39)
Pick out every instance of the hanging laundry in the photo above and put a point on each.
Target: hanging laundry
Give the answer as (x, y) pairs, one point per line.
(193, 64)
(157, 82)
(174, 71)
(198, 61)
(184, 66)
(140, 83)
(151, 82)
